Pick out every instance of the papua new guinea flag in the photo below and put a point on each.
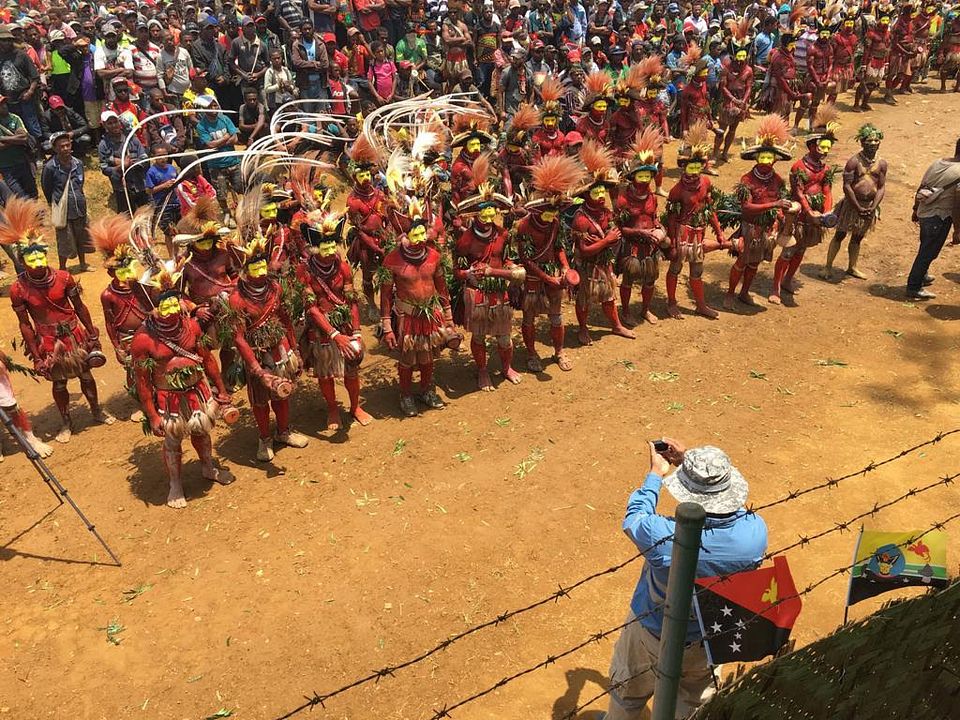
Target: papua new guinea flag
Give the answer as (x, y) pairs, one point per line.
(885, 561)
(749, 615)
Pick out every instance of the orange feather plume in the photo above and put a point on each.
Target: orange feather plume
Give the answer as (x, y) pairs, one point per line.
(698, 137)
(636, 78)
(740, 30)
(470, 121)
(481, 169)
(773, 129)
(556, 174)
(800, 11)
(826, 116)
(551, 90)
(648, 142)
(20, 219)
(691, 56)
(597, 158)
(110, 232)
(597, 83)
(363, 152)
(650, 67)
(525, 118)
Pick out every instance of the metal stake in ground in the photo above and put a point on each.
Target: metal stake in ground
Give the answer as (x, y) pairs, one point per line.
(676, 611)
(56, 487)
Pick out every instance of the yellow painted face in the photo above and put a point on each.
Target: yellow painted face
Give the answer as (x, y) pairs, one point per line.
(487, 215)
(550, 121)
(765, 157)
(693, 168)
(598, 192)
(652, 93)
(513, 147)
(884, 21)
(824, 146)
(325, 249)
(791, 47)
(35, 259)
(930, 9)
(600, 106)
(824, 34)
(417, 235)
(318, 194)
(169, 306)
(362, 176)
(642, 177)
(257, 269)
(473, 145)
(848, 24)
(127, 272)
(269, 211)
(548, 215)
(703, 73)
(741, 55)
(623, 101)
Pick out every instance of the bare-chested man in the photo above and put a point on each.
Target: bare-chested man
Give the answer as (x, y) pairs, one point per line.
(864, 184)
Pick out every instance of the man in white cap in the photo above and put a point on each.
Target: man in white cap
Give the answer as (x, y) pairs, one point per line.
(733, 540)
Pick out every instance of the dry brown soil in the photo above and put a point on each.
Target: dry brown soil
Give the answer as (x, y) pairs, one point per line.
(376, 543)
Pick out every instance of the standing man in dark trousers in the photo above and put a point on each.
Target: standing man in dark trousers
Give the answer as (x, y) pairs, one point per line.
(936, 208)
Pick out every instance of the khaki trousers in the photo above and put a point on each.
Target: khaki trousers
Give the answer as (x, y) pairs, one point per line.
(634, 662)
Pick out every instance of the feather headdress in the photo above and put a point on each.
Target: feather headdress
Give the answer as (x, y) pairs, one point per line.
(697, 144)
(111, 236)
(203, 220)
(551, 90)
(691, 57)
(525, 119)
(362, 155)
(739, 33)
(651, 70)
(645, 151)
(323, 226)
(825, 125)
(472, 125)
(166, 279)
(485, 196)
(553, 179)
(597, 86)
(21, 224)
(773, 134)
(600, 163)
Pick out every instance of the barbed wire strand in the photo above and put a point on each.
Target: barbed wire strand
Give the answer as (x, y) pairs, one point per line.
(377, 675)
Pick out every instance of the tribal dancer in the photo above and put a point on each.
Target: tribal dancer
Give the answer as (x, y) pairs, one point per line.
(482, 266)
(418, 320)
(736, 85)
(517, 151)
(596, 236)
(810, 181)
(864, 185)
(125, 302)
(921, 42)
(643, 236)
(689, 211)
(266, 343)
(537, 238)
(844, 49)
(471, 133)
(173, 365)
(9, 404)
(902, 51)
(766, 213)
(625, 121)
(873, 66)
(58, 333)
(781, 91)
(950, 50)
(594, 124)
(819, 68)
(694, 98)
(335, 344)
(547, 139)
(652, 108)
(210, 272)
(367, 212)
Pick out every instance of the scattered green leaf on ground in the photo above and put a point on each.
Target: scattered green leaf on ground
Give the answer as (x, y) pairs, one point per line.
(526, 466)
(502, 421)
(893, 333)
(398, 446)
(221, 713)
(628, 364)
(133, 593)
(675, 407)
(758, 375)
(668, 376)
(463, 456)
(112, 630)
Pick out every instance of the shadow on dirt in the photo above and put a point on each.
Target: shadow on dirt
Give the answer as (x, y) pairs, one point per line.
(577, 681)
(149, 481)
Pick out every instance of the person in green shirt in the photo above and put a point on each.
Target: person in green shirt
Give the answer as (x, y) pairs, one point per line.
(14, 153)
(412, 48)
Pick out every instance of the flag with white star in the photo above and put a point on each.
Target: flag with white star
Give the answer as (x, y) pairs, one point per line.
(749, 615)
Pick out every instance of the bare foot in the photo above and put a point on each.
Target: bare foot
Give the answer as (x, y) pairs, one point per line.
(627, 319)
(707, 312)
(624, 332)
(66, 431)
(333, 418)
(512, 375)
(362, 416)
(584, 337)
(774, 300)
(649, 317)
(534, 363)
(41, 448)
(563, 362)
(748, 299)
(661, 192)
(102, 417)
(136, 416)
(729, 301)
(673, 310)
(218, 475)
(854, 273)
(175, 498)
(483, 380)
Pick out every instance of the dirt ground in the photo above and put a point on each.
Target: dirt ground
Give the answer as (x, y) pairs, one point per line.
(374, 544)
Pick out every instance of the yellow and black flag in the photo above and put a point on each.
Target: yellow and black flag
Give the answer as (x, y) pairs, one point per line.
(749, 615)
(885, 561)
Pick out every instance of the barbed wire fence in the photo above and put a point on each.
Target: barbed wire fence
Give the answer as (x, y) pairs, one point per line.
(375, 676)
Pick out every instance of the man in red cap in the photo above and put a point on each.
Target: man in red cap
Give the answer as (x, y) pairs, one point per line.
(62, 119)
(333, 53)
